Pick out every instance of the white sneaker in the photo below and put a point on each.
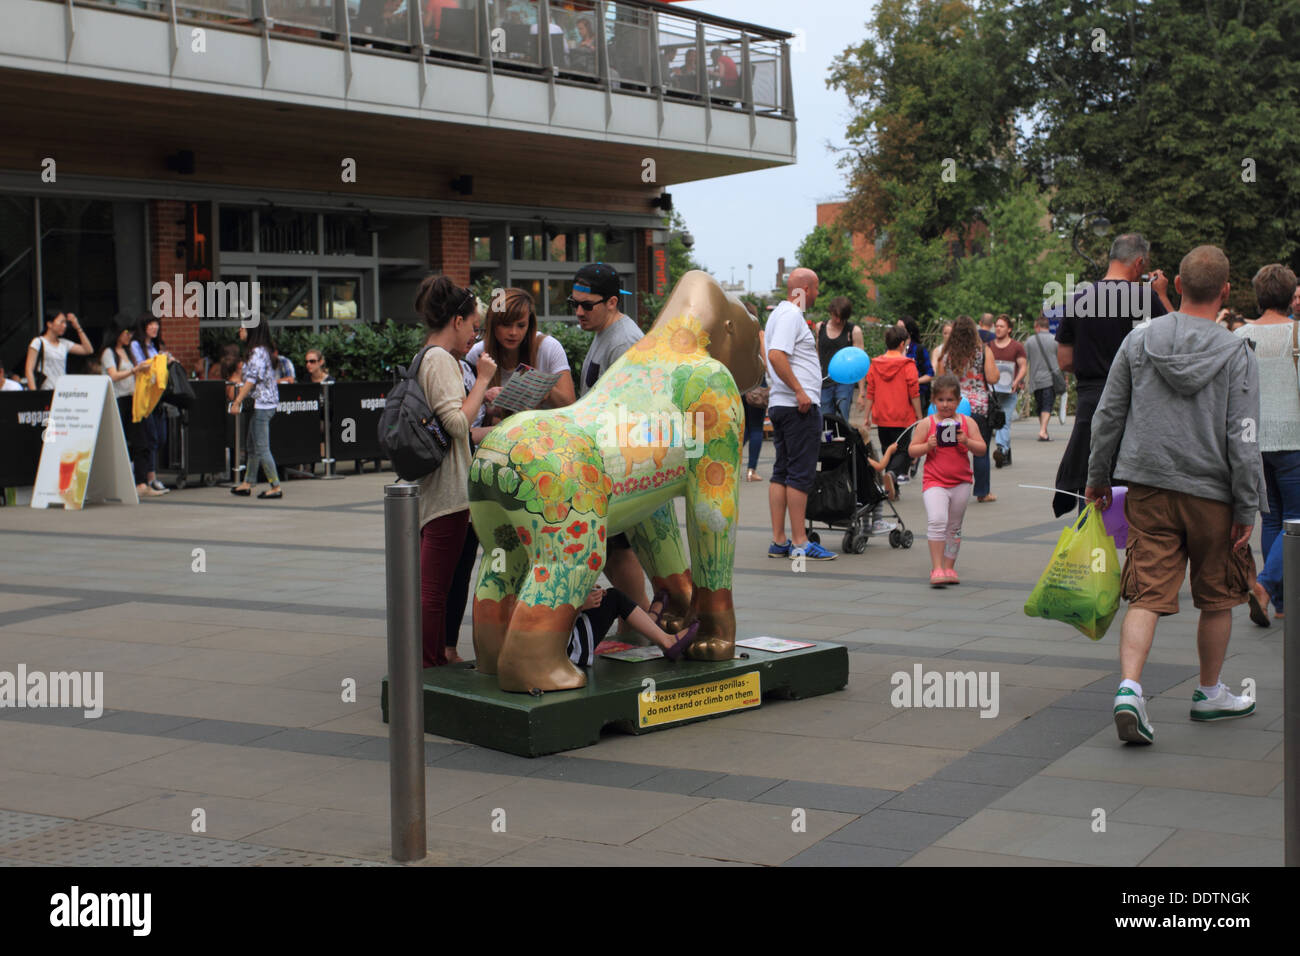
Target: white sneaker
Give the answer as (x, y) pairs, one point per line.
(881, 526)
(1222, 706)
(159, 487)
(1131, 721)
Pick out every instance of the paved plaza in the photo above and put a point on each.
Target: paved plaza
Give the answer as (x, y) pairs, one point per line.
(224, 693)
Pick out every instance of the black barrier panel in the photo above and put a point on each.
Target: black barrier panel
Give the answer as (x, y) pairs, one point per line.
(22, 425)
(210, 429)
(355, 409)
(296, 433)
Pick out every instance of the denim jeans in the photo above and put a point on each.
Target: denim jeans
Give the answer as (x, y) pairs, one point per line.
(259, 447)
(1002, 437)
(836, 399)
(1282, 479)
(754, 416)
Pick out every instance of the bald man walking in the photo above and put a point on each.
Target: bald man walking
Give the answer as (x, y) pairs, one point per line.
(795, 372)
(1182, 405)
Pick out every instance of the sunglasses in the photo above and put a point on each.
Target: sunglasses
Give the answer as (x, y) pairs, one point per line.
(578, 305)
(313, 361)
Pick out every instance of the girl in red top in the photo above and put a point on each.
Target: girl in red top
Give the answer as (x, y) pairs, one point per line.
(947, 440)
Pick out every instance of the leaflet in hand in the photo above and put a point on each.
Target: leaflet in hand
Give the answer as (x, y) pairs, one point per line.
(526, 389)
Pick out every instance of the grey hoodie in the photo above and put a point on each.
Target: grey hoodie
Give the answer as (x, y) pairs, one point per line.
(1184, 394)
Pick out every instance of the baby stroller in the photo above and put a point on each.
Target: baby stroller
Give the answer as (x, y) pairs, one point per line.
(847, 490)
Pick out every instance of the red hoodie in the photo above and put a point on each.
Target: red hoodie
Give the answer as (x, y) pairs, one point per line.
(891, 386)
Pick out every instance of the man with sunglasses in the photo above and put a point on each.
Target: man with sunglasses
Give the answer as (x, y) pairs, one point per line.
(595, 300)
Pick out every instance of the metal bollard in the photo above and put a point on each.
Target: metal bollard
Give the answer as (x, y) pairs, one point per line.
(329, 450)
(405, 691)
(1291, 690)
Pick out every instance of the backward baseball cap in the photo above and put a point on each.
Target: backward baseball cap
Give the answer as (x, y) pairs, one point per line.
(599, 278)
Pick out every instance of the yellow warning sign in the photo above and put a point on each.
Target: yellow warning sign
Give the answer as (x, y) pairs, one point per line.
(700, 700)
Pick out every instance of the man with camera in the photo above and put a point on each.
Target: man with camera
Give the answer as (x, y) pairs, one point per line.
(1097, 319)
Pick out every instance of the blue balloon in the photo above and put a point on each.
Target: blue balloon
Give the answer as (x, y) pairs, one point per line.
(963, 407)
(849, 365)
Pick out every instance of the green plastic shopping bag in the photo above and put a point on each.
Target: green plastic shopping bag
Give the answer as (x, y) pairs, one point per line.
(1081, 583)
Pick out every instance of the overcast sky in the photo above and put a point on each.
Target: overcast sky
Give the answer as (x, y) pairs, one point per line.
(756, 217)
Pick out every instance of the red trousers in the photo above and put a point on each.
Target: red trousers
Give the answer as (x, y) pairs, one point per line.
(441, 541)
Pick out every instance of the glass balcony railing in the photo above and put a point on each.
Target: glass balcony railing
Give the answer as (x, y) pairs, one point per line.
(633, 47)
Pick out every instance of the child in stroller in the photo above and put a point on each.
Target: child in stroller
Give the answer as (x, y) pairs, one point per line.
(852, 489)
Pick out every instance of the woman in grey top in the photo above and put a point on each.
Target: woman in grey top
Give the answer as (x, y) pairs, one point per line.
(1273, 336)
(1043, 369)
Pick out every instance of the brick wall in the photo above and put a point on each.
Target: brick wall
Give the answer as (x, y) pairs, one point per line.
(166, 237)
(449, 248)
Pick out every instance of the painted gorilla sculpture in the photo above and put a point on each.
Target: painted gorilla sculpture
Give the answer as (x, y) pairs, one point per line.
(548, 487)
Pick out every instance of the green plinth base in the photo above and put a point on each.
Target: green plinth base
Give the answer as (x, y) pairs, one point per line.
(464, 705)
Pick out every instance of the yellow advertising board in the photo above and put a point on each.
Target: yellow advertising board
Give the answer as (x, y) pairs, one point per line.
(699, 700)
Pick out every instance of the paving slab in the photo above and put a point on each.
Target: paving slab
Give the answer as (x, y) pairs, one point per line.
(744, 832)
(535, 808)
(1071, 839)
(552, 851)
(1148, 766)
(1207, 810)
(1202, 848)
(896, 829)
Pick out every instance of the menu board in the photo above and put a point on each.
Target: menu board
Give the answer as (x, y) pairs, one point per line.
(83, 449)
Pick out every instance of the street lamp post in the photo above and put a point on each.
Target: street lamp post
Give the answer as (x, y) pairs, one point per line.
(749, 286)
(1100, 226)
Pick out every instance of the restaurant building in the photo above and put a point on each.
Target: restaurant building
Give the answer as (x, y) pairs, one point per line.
(336, 151)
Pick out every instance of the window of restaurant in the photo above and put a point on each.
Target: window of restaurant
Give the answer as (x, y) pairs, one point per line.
(313, 269)
(84, 255)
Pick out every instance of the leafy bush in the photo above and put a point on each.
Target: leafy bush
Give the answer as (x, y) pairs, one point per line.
(575, 341)
(358, 353)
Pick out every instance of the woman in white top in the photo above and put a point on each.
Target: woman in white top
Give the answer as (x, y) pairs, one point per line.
(511, 338)
(47, 355)
(1273, 336)
(117, 364)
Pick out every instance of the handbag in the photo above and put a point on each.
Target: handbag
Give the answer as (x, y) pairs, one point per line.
(758, 396)
(179, 391)
(1058, 377)
(997, 417)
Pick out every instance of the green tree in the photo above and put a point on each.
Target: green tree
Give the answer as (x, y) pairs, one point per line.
(1015, 260)
(1177, 118)
(828, 253)
(934, 89)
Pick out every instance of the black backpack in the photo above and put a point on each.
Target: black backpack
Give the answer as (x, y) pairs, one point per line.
(410, 434)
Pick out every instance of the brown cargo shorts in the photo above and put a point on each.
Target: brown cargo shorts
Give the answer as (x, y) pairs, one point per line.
(1166, 529)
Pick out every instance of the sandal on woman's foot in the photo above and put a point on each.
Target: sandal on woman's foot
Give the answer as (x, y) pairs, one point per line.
(660, 598)
(242, 492)
(938, 578)
(271, 494)
(1259, 608)
(951, 574)
(987, 499)
(752, 475)
(675, 652)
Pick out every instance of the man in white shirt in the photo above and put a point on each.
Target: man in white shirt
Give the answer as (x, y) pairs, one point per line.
(795, 374)
(9, 384)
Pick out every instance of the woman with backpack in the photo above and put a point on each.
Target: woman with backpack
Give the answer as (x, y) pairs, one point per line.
(259, 379)
(451, 315)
